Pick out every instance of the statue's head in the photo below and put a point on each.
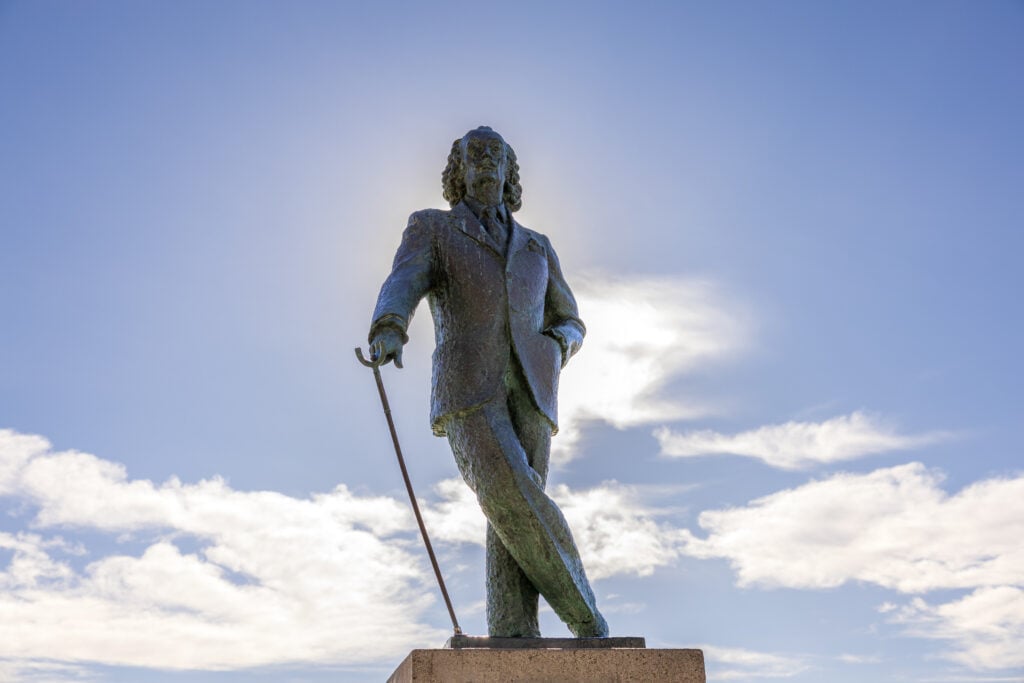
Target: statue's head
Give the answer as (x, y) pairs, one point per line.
(479, 163)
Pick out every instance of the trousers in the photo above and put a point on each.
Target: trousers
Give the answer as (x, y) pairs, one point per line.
(502, 450)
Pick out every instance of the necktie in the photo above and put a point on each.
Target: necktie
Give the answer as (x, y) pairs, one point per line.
(494, 226)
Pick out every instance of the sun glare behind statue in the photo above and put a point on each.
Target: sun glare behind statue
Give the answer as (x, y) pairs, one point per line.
(642, 332)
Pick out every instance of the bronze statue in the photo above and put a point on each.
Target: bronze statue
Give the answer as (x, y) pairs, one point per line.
(505, 323)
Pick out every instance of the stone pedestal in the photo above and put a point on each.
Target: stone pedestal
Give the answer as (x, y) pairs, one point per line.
(469, 659)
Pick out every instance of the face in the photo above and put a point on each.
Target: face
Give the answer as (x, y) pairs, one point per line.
(483, 153)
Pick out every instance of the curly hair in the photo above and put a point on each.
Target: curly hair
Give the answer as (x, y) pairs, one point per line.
(453, 178)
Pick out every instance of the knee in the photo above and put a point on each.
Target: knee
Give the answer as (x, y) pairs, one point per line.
(506, 494)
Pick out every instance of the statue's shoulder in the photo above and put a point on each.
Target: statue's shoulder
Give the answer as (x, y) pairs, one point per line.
(429, 217)
(427, 223)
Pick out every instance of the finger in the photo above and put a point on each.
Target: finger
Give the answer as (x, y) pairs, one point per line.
(398, 358)
(382, 357)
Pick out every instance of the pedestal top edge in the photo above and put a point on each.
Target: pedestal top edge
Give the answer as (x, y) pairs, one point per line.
(461, 642)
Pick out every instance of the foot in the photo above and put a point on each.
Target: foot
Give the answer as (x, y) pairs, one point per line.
(526, 632)
(598, 628)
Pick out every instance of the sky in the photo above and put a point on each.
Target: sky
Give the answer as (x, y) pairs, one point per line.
(792, 437)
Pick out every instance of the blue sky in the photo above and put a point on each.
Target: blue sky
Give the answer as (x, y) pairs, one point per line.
(792, 437)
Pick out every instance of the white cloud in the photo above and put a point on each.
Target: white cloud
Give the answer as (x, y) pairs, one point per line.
(275, 579)
(228, 579)
(893, 527)
(457, 518)
(986, 626)
(616, 534)
(642, 333)
(268, 579)
(730, 663)
(896, 528)
(796, 445)
(16, 450)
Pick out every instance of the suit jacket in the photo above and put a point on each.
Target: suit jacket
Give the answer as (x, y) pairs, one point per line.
(486, 308)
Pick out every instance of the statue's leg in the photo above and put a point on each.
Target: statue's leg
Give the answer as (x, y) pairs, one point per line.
(526, 521)
(511, 598)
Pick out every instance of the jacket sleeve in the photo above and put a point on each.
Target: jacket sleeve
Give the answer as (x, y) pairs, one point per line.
(561, 316)
(411, 277)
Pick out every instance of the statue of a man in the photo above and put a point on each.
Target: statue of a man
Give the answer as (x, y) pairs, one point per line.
(505, 323)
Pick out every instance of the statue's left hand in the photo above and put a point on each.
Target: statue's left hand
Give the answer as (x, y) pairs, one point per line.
(557, 335)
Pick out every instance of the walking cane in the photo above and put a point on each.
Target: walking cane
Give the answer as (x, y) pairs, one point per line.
(375, 364)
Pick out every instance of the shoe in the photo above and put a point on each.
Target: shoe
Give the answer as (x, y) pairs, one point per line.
(516, 633)
(591, 629)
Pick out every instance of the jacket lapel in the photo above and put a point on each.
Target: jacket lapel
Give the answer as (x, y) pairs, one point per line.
(519, 239)
(468, 223)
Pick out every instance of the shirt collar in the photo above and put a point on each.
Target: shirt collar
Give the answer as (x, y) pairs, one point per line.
(478, 209)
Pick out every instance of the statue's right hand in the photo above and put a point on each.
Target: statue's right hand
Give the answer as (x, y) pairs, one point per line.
(387, 344)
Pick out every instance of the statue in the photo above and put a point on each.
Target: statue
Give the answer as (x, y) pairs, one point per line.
(505, 323)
